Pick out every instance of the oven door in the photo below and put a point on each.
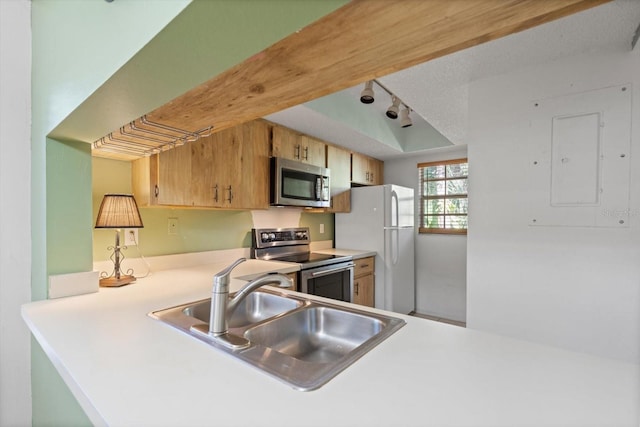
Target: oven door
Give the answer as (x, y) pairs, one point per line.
(331, 281)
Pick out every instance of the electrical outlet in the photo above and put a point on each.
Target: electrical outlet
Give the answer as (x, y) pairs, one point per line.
(131, 237)
(173, 226)
(321, 228)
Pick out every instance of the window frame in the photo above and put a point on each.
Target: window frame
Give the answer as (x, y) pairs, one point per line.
(422, 198)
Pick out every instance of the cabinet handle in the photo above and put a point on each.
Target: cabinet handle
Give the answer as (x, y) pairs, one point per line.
(306, 153)
(364, 265)
(296, 152)
(156, 191)
(356, 290)
(367, 176)
(371, 176)
(215, 193)
(230, 194)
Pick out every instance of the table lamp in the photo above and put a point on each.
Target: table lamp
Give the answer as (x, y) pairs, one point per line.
(118, 211)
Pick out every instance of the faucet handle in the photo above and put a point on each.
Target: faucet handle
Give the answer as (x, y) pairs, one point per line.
(221, 278)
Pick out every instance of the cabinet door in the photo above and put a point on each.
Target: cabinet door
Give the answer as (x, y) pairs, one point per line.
(228, 160)
(286, 143)
(205, 191)
(174, 177)
(143, 180)
(339, 162)
(363, 291)
(366, 170)
(250, 167)
(313, 151)
(376, 172)
(359, 169)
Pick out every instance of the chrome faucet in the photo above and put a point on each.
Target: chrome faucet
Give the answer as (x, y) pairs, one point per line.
(222, 308)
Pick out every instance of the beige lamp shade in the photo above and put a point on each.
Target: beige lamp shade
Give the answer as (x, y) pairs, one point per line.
(118, 211)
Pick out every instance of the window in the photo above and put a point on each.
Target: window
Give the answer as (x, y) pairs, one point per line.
(443, 196)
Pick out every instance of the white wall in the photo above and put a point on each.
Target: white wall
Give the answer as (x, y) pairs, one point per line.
(572, 287)
(440, 260)
(15, 231)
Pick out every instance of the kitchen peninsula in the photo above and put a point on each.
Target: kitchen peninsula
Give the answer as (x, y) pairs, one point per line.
(126, 368)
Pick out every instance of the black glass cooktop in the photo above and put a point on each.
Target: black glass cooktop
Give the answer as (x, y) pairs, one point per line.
(308, 257)
(312, 259)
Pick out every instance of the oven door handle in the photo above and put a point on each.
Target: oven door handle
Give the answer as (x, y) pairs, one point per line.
(332, 270)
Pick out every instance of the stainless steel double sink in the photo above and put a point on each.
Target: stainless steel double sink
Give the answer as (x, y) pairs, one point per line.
(299, 341)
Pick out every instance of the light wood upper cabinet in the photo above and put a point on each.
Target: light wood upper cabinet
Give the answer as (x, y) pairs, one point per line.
(228, 169)
(377, 171)
(163, 179)
(366, 170)
(289, 144)
(313, 151)
(174, 176)
(205, 188)
(339, 162)
(251, 167)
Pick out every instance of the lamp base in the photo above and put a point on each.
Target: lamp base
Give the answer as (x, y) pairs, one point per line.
(111, 282)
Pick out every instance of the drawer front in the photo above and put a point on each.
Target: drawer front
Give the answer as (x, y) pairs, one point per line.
(363, 266)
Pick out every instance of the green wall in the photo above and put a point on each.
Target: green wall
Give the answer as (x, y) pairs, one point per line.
(86, 82)
(67, 222)
(199, 229)
(74, 50)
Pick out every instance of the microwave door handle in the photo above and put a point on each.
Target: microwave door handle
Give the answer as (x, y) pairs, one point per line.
(318, 188)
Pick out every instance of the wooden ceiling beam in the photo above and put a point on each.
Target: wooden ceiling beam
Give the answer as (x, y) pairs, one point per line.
(364, 39)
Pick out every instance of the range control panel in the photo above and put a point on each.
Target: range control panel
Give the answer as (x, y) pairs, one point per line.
(268, 237)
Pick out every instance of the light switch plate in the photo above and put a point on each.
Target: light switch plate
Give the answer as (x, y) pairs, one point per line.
(172, 226)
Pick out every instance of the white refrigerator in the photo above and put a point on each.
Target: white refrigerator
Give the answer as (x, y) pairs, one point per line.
(381, 220)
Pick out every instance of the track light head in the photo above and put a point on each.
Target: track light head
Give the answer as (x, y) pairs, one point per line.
(405, 120)
(392, 111)
(367, 95)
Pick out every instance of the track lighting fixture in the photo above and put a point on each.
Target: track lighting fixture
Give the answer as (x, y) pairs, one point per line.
(367, 95)
(405, 120)
(392, 111)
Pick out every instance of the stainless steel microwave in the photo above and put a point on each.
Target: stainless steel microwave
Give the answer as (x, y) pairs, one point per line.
(299, 184)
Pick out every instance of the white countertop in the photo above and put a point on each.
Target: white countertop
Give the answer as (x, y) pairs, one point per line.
(127, 369)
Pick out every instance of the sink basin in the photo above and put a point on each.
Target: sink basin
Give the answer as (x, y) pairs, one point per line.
(256, 307)
(316, 334)
(300, 341)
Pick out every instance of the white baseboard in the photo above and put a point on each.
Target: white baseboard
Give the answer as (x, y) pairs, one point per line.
(65, 285)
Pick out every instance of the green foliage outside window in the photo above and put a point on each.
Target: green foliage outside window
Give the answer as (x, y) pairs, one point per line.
(443, 196)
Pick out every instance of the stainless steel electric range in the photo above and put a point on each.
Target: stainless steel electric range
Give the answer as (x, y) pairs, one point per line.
(325, 275)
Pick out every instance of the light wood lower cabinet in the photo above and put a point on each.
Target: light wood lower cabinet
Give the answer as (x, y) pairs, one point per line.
(294, 278)
(364, 282)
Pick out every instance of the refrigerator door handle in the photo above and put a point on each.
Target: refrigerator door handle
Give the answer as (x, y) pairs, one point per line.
(395, 216)
(392, 245)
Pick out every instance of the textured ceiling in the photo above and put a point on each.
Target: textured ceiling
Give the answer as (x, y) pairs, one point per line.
(438, 90)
